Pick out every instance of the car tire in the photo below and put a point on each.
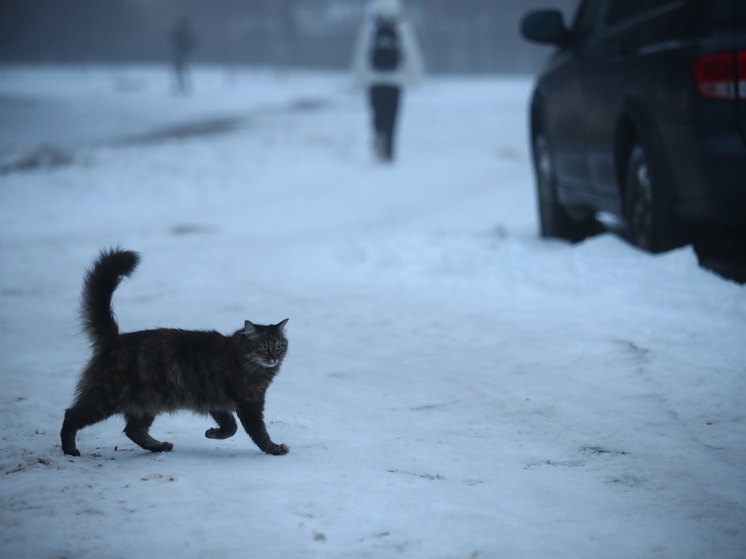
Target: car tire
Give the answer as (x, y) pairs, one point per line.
(648, 206)
(555, 221)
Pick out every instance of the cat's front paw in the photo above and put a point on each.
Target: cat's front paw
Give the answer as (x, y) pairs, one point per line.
(279, 450)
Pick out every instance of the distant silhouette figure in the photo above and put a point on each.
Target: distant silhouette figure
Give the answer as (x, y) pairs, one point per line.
(183, 43)
(386, 59)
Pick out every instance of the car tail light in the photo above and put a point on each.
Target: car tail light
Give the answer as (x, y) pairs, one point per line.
(716, 76)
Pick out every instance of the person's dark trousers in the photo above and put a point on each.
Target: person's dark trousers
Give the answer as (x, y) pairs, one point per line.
(384, 100)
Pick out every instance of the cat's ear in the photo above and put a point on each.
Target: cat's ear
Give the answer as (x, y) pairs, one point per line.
(281, 325)
(249, 329)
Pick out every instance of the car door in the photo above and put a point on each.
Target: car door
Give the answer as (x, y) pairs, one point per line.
(562, 116)
(583, 92)
(606, 76)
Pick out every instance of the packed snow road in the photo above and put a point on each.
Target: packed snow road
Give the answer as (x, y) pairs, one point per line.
(455, 386)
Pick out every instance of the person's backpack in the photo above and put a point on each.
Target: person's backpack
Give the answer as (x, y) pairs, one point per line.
(386, 49)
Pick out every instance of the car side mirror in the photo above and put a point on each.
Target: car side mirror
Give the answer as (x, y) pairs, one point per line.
(545, 26)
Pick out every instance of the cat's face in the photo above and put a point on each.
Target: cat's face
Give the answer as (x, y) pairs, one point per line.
(265, 345)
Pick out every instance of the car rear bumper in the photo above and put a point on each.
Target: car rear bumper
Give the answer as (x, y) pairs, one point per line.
(708, 168)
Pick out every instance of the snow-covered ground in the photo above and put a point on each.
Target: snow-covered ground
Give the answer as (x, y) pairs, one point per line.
(456, 387)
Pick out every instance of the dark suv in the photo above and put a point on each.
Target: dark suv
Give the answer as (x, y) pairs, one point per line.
(638, 121)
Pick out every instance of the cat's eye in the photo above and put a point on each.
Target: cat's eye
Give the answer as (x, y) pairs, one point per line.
(265, 347)
(280, 347)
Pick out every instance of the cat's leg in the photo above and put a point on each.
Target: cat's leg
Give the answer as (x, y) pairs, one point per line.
(226, 425)
(76, 418)
(252, 419)
(137, 430)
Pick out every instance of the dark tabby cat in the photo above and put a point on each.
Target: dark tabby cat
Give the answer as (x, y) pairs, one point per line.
(142, 374)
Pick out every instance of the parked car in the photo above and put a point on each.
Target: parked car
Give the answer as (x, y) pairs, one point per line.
(639, 119)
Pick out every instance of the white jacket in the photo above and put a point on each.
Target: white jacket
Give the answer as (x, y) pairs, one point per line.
(411, 69)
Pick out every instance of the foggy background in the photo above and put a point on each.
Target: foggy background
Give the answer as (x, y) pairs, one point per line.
(457, 36)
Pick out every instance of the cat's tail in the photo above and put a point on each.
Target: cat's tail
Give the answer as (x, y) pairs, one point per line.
(98, 287)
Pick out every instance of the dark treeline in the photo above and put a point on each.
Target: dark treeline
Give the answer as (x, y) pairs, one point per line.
(457, 36)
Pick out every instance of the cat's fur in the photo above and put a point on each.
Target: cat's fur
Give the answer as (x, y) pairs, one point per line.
(142, 374)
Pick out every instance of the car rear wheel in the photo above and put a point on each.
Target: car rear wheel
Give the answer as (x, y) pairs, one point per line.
(648, 206)
(555, 220)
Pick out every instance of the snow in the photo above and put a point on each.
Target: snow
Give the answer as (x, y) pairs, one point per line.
(456, 387)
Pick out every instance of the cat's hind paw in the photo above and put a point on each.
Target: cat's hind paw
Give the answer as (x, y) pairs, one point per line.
(279, 450)
(218, 434)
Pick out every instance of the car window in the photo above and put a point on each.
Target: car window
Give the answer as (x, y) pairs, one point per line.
(591, 20)
(627, 9)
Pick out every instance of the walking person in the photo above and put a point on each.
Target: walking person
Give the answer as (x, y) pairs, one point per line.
(386, 59)
(183, 43)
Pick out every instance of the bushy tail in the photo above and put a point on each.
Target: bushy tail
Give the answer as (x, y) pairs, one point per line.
(100, 282)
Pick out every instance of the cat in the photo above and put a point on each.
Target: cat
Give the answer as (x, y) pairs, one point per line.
(141, 374)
